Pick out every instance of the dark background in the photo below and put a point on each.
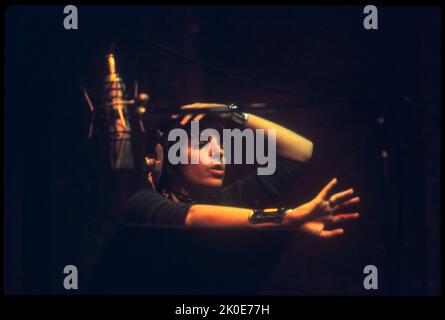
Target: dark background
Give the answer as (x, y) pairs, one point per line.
(60, 198)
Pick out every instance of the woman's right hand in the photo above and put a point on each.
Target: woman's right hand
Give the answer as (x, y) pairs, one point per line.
(204, 106)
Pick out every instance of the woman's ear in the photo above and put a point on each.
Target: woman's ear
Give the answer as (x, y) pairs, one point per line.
(172, 170)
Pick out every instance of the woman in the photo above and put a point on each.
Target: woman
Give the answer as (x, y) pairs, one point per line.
(193, 194)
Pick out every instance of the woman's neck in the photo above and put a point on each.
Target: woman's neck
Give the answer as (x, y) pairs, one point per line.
(196, 193)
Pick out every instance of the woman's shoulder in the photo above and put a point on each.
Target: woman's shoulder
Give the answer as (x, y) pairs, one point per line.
(143, 193)
(144, 196)
(149, 206)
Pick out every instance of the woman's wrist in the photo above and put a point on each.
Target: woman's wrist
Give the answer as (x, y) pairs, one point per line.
(296, 217)
(268, 216)
(238, 116)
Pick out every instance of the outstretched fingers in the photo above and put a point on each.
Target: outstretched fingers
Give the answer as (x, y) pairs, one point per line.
(325, 191)
(340, 196)
(344, 217)
(199, 117)
(197, 105)
(331, 233)
(346, 204)
(186, 119)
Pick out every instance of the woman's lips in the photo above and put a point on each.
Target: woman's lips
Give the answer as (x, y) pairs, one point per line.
(217, 171)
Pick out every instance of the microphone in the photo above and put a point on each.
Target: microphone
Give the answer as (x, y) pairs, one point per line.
(121, 156)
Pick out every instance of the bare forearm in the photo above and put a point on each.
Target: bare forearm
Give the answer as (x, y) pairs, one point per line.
(228, 217)
(221, 216)
(289, 143)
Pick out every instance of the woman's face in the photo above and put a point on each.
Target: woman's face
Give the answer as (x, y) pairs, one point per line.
(211, 169)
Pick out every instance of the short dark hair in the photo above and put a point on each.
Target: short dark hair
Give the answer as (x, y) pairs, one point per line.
(208, 122)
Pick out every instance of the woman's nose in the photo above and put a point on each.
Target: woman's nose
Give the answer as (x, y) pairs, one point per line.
(217, 147)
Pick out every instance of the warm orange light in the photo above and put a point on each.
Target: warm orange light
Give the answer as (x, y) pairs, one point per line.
(111, 64)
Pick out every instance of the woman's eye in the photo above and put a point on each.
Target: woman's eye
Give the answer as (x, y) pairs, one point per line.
(202, 144)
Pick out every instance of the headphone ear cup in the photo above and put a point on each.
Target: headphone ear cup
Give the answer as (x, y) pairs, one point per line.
(157, 172)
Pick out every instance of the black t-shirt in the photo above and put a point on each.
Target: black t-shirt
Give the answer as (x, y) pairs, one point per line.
(254, 191)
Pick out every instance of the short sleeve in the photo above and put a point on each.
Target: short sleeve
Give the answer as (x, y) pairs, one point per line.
(149, 207)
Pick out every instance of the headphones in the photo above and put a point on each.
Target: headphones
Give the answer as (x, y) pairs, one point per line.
(153, 165)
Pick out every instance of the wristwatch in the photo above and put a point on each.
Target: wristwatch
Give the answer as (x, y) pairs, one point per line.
(238, 116)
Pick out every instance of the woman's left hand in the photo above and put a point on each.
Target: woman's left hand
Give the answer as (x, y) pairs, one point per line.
(199, 105)
(328, 208)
